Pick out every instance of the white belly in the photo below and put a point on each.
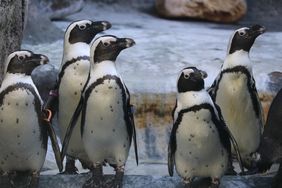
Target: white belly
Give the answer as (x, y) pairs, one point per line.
(199, 150)
(237, 109)
(70, 89)
(105, 135)
(20, 144)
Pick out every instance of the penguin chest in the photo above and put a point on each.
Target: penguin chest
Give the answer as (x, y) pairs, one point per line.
(237, 108)
(21, 142)
(199, 150)
(71, 85)
(105, 134)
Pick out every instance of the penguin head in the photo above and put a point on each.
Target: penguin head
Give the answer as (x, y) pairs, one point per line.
(108, 47)
(244, 38)
(191, 79)
(84, 31)
(23, 62)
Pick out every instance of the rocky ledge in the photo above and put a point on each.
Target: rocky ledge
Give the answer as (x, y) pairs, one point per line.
(74, 181)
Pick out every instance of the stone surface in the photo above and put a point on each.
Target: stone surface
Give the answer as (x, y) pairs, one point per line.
(74, 181)
(275, 81)
(226, 11)
(13, 15)
(59, 9)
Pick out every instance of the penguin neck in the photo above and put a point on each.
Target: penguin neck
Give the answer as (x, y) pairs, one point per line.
(237, 58)
(75, 50)
(192, 98)
(13, 78)
(103, 68)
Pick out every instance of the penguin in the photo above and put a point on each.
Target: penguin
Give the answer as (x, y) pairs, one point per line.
(234, 90)
(107, 124)
(199, 144)
(23, 134)
(270, 150)
(71, 79)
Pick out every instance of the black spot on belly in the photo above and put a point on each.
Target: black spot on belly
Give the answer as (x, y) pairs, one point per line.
(12, 153)
(213, 131)
(81, 84)
(2, 162)
(222, 166)
(197, 117)
(17, 120)
(96, 91)
(26, 104)
(124, 145)
(74, 68)
(189, 139)
(127, 138)
(192, 136)
(114, 130)
(19, 143)
(18, 136)
(117, 102)
(204, 120)
(101, 118)
(115, 88)
(92, 131)
(17, 104)
(210, 127)
(112, 110)
(208, 122)
(33, 131)
(8, 103)
(110, 87)
(119, 160)
(75, 93)
(37, 153)
(185, 171)
(190, 153)
(2, 108)
(1, 120)
(207, 166)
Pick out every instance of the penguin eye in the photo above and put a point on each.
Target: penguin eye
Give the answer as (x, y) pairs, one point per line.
(82, 27)
(186, 76)
(21, 57)
(106, 44)
(242, 33)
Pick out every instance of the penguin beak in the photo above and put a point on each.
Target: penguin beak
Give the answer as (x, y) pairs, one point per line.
(44, 59)
(101, 25)
(204, 74)
(41, 59)
(201, 74)
(256, 30)
(125, 43)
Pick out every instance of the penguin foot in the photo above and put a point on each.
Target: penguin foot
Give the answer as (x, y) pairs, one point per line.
(187, 183)
(97, 179)
(34, 181)
(215, 183)
(118, 177)
(70, 167)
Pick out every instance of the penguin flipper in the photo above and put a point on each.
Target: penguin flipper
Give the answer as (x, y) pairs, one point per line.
(212, 89)
(224, 131)
(134, 134)
(172, 145)
(55, 145)
(170, 161)
(71, 127)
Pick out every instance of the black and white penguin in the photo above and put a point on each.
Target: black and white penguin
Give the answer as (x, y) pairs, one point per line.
(71, 79)
(234, 90)
(23, 134)
(270, 150)
(107, 125)
(199, 143)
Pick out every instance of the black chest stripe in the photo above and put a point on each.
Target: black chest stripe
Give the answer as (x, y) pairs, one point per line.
(73, 60)
(125, 101)
(37, 107)
(220, 126)
(250, 84)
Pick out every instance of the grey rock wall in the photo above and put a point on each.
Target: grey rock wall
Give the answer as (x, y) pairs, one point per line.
(11, 27)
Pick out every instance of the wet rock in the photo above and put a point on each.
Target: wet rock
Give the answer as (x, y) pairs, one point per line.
(44, 77)
(275, 81)
(59, 9)
(213, 10)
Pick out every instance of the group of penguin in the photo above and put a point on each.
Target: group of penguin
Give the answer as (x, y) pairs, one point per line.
(96, 120)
